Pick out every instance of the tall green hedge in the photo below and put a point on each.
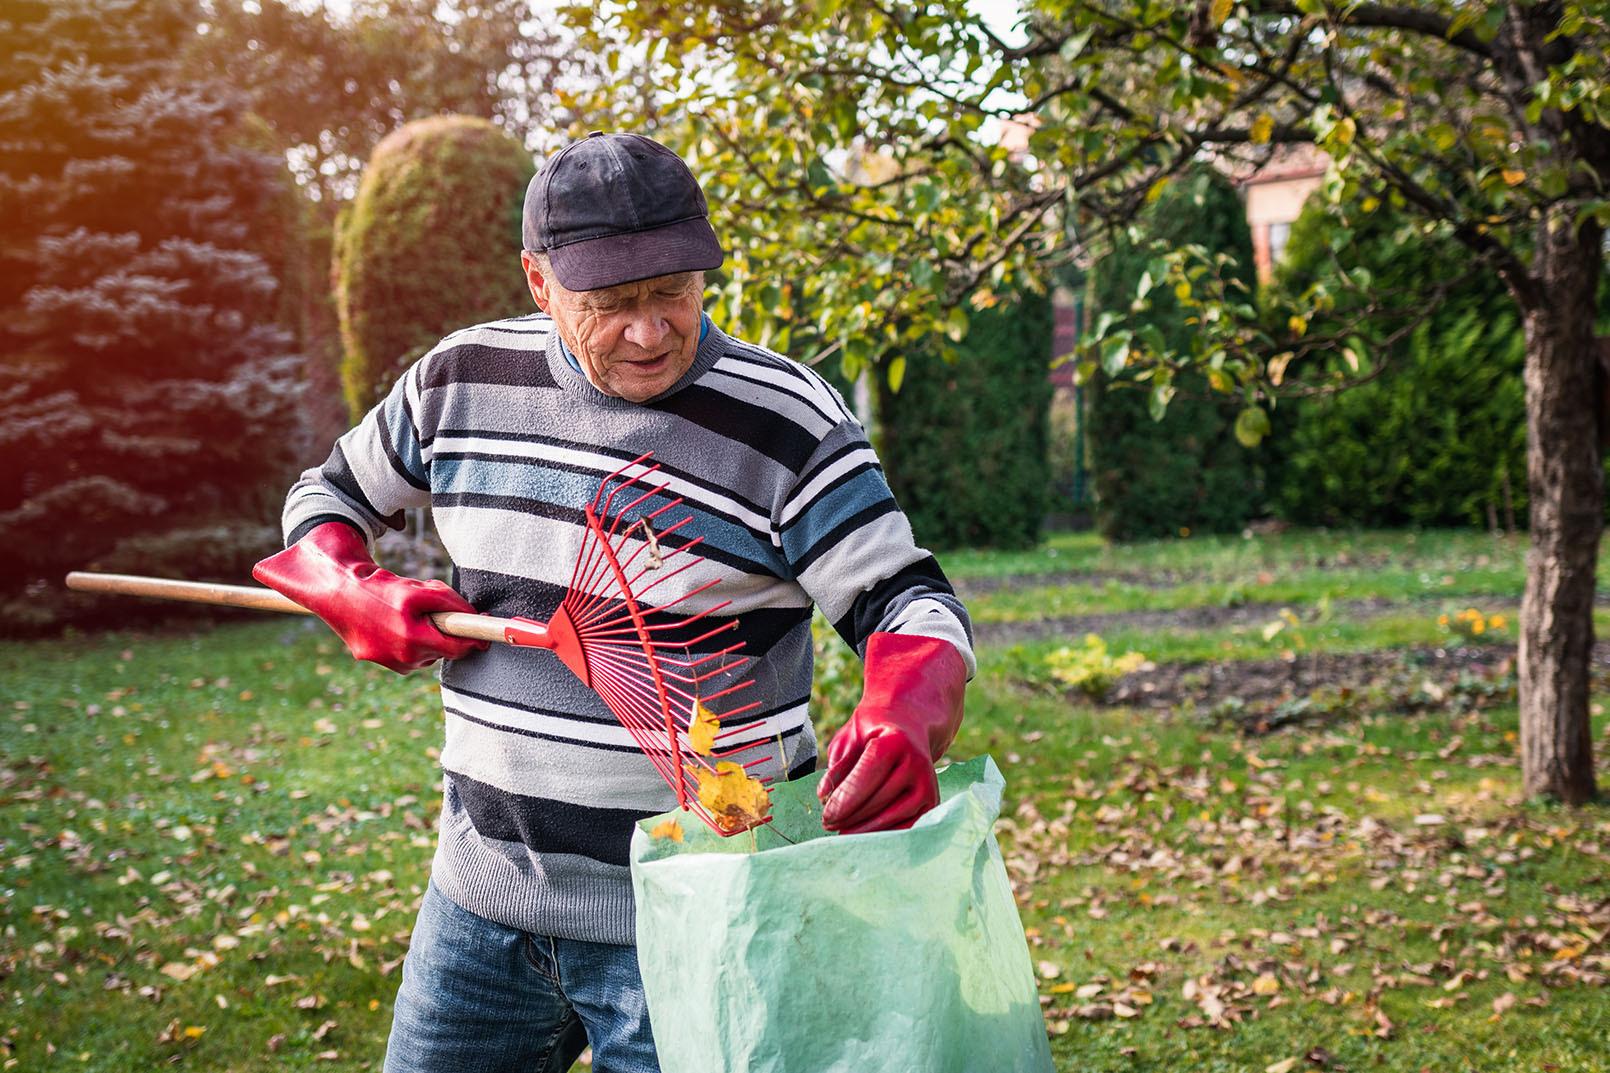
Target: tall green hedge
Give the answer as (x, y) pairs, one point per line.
(1155, 478)
(430, 244)
(1439, 438)
(964, 444)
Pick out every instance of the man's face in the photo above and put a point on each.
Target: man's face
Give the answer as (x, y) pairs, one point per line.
(633, 341)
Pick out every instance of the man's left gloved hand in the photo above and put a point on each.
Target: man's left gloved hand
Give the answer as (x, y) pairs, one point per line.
(880, 765)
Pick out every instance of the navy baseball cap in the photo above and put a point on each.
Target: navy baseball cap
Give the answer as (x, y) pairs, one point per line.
(616, 208)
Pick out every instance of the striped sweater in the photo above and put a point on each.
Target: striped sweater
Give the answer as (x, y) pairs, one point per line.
(505, 441)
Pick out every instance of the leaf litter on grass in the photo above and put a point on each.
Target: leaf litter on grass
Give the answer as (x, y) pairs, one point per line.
(1353, 907)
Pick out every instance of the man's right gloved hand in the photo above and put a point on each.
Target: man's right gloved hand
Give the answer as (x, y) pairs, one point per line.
(381, 617)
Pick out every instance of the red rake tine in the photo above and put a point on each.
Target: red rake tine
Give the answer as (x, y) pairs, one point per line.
(654, 696)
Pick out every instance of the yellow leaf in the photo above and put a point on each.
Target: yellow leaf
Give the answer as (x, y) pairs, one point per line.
(1263, 128)
(702, 731)
(1220, 11)
(735, 801)
(1155, 191)
(667, 829)
(1266, 984)
(194, 1031)
(1298, 324)
(1277, 367)
(1514, 176)
(1285, 1065)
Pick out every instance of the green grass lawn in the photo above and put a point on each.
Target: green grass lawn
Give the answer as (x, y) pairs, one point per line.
(212, 843)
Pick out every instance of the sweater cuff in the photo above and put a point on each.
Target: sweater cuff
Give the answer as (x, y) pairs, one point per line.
(319, 519)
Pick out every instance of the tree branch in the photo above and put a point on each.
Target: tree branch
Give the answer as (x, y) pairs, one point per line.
(1388, 17)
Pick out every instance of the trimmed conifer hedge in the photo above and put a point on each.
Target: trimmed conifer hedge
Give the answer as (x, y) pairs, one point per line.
(1439, 438)
(1188, 471)
(965, 444)
(430, 244)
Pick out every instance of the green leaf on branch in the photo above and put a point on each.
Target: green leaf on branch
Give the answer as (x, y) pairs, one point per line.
(1157, 403)
(1115, 353)
(1251, 426)
(956, 324)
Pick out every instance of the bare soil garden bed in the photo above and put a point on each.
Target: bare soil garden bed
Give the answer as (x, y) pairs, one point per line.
(1316, 687)
(1074, 627)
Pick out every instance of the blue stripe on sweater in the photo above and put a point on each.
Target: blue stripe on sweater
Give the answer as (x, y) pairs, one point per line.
(536, 483)
(831, 510)
(399, 426)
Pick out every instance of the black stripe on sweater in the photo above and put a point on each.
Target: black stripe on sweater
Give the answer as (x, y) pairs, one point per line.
(548, 826)
(340, 476)
(736, 700)
(867, 612)
(478, 363)
(756, 427)
(509, 595)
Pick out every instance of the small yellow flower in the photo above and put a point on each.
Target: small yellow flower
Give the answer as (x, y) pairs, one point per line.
(1442, 620)
(1478, 626)
(1497, 622)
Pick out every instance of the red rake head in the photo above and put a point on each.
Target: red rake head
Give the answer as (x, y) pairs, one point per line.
(640, 659)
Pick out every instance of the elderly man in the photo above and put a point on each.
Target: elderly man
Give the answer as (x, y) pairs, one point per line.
(523, 952)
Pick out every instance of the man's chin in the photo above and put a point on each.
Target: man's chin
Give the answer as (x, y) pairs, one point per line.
(640, 381)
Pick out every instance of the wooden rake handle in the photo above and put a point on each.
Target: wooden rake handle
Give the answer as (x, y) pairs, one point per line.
(452, 623)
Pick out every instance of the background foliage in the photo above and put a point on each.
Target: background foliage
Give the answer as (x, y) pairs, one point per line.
(1439, 437)
(1156, 471)
(964, 443)
(146, 374)
(429, 246)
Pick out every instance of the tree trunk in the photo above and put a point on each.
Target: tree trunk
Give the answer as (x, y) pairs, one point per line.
(1565, 475)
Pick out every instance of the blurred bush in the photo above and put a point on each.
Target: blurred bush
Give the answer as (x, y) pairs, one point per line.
(1439, 436)
(965, 444)
(430, 244)
(1187, 471)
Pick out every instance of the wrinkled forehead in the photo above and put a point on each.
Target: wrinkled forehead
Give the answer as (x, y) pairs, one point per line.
(676, 283)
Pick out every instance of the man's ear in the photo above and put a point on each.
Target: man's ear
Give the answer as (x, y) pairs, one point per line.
(535, 280)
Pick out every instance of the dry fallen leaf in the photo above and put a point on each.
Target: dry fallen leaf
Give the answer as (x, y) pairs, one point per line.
(667, 829)
(702, 730)
(735, 801)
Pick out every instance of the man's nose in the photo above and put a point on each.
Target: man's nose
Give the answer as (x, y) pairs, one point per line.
(647, 330)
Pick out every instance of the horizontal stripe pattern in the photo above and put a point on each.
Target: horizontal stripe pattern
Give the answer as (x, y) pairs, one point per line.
(506, 443)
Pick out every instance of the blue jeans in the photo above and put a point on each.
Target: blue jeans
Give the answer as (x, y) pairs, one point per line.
(479, 996)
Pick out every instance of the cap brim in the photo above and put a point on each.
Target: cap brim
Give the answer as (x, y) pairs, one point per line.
(685, 246)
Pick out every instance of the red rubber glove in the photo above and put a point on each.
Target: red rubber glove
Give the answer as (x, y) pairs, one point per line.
(880, 765)
(379, 615)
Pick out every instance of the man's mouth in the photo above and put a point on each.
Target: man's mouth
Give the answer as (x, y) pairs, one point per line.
(652, 365)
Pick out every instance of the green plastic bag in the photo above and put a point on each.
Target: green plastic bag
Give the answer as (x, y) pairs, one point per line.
(900, 950)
